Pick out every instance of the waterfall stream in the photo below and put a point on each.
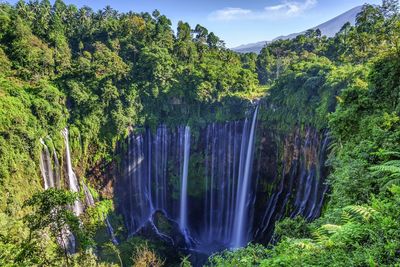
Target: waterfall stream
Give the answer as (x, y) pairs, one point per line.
(50, 169)
(46, 166)
(153, 163)
(184, 183)
(243, 199)
(51, 172)
(218, 202)
(221, 201)
(72, 180)
(111, 231)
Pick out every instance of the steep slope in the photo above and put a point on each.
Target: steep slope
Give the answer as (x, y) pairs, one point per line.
(329, 29)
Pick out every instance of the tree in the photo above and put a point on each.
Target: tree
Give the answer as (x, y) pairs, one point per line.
(32, 56)
(43, 16)
(51, 211)
(201, 34)
(184, 47)
(184, 32)
(390, 8)
(62, 52)
(212, 40)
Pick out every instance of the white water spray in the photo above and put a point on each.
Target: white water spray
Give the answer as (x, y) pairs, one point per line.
(240, 226)
(46, 166)
(72, 180)
(184, 182)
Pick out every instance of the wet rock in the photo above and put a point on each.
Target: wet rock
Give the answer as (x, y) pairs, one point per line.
(160, 228)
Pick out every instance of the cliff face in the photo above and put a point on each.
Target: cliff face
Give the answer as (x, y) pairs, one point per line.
(241, 178)
(286, 177)
(292, 180)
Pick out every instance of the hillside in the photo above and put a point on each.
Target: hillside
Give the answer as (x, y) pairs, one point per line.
(329, 29)
(126, 142)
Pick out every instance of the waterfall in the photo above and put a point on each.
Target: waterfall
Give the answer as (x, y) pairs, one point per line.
(57, 170)
(240, 227)
(184, 182)
(49, 167)
(88, 196)
(229, 205)
(72, 180)
(46, 167)
(90, 202)
(154, 161)
(111, 232)
(303, 180)
(51, 177)
(225, 159)
(139, 193)
(160, 164)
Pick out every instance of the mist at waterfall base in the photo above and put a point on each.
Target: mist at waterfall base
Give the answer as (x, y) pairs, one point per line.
(212, 185)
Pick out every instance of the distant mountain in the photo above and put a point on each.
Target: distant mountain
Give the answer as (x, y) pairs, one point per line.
(250, 48)
(329, 29)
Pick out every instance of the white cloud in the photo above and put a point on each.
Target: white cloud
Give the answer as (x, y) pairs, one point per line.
(286, 9)
(230, 13)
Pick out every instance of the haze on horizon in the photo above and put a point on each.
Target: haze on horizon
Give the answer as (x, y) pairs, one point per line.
(237, 22)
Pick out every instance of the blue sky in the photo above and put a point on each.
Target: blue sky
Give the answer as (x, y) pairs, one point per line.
(238, 21)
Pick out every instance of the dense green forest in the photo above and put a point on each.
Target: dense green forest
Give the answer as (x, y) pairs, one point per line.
(102, 73)
(349, 84)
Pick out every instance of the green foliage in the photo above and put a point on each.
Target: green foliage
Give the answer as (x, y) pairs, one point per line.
(185, 262)
(36, 240)
(350, 85)
(302, 94)
(27, 113)
(365, 213)
(104, 73)
(13, 235)
(114, 71)
(358, 241)
(251, 255)
(132, 251)
(389, 171)
(144, 257)
(293, 228)
(51, 210)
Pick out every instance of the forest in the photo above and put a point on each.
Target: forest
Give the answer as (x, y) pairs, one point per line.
(110, 77)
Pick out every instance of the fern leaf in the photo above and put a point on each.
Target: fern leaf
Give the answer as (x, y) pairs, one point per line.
(390, 153)
(346, 217)
(391, 182)
(307, 244)
(323, 233)
(331, 228)
(365, 213)
(382, 169)
(392, 163)
(394, 175)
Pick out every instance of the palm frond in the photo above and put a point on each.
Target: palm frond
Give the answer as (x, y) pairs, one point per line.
(394, 162)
